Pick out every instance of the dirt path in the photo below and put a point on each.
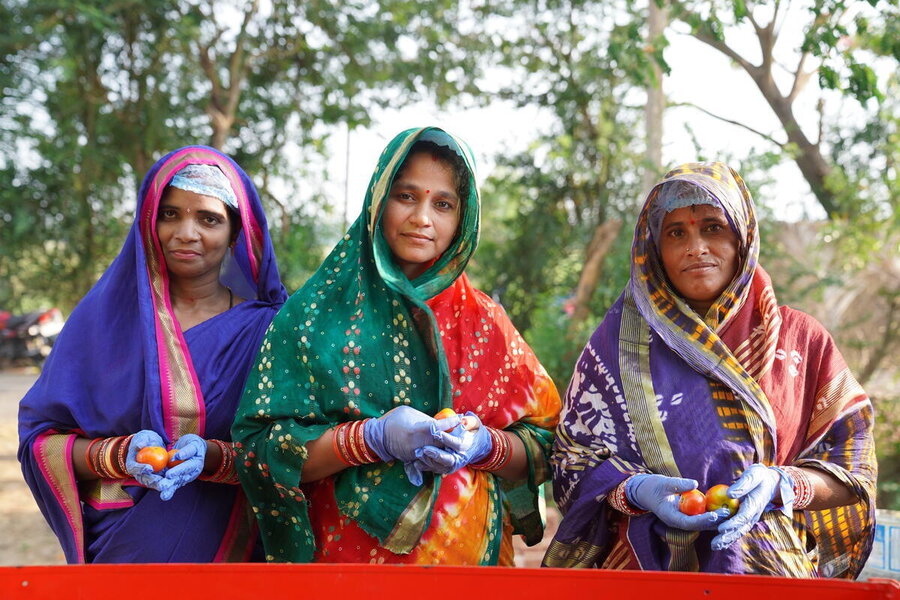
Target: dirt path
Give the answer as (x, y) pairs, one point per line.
(25, 539)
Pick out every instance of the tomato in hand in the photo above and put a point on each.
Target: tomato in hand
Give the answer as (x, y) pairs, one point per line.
(171, 462)
(445, 413)
(155, 456)
(717, 497)
(692, 502)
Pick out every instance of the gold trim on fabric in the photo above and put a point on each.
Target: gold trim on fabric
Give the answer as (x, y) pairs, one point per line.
(649, 432)
(104, 490)
(381, 187)
(410, 526)
(56, 463)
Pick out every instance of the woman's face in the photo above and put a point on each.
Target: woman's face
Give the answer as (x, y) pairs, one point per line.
(700, 253)
(422, 213)
(194, 232)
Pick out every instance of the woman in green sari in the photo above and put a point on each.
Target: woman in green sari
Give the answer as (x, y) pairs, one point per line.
(339, 454)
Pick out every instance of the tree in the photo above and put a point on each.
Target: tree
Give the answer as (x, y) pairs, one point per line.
(827, 50)
(97, 91)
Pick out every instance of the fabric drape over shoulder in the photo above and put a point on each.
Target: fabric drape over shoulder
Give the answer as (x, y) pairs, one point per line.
(359, 339)
(664, 390)
(123, 364)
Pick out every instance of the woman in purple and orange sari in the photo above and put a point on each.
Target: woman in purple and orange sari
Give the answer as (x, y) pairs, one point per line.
(156, 354)
(697, 377)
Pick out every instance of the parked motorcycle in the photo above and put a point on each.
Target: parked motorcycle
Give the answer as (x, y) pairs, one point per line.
(28, 338)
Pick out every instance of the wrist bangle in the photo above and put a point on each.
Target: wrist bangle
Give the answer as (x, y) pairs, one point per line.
(349, 444)
(225, 473)
(618, 500)
(500, 454)
(803, 489)
(88, 459)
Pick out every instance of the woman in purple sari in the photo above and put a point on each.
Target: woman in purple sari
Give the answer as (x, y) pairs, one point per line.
(156, 354)
(698, 377)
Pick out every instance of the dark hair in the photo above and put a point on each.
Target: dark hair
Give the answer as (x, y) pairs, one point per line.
(449, 157)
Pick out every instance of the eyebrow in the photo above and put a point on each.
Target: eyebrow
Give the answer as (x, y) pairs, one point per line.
(202, 211)
(711, 219)
(408, 185)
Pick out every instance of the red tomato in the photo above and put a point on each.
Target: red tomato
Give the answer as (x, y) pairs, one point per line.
(692, 502)
(155, 456)
(716, 497)
(170, 461)
(445, 413)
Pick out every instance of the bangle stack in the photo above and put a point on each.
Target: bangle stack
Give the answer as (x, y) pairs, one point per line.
(226, 473)
(803, 489)
(349, 444)
(108, 462)
(618, 500)
(500, 454)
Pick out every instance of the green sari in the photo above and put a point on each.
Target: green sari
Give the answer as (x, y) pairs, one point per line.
(357, 340)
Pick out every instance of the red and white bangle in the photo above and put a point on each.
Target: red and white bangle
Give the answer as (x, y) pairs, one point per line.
(349, 444)
(618, 500)
(500, 454)
(803, 489)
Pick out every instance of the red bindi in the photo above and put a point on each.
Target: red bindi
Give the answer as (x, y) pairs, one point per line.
(693, 222)
(427, 191)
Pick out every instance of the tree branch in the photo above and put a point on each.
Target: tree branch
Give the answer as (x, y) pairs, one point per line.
(731, 122)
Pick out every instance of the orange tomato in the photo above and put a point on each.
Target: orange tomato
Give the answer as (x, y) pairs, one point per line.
(716, 497)
(692, 502)
(445, 413)
(155, 456)
(171, 462)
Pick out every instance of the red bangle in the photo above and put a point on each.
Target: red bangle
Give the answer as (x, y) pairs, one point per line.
(87, 457)
(500, 454)
(618, 500)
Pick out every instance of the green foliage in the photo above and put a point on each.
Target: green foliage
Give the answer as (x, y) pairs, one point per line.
(95, 92)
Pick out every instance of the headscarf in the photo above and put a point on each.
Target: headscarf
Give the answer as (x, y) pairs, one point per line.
(122, 363)
(206, 180)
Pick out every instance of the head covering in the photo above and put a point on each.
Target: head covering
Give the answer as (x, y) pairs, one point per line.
(122, 363)
(674, 195)
(206, 180)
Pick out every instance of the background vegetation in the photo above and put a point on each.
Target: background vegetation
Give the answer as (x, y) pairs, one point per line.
(95, 91)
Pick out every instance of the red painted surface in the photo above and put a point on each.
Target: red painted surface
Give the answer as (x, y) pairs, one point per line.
(375, 582)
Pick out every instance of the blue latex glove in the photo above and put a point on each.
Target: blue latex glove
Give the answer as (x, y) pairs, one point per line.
(397, 434)
(462, 447)
(755, 488)
(659, 495)
(143, 473)
(192, 450)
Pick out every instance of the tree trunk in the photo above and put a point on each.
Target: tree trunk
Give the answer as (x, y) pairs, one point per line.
(656, 101)
(809, 159)
(602, 241)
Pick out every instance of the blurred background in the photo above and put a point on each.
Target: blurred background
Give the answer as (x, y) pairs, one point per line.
(573, 109)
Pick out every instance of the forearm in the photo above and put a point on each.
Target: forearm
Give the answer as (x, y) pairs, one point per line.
(827, 490)
(517, 467)
(321, 460)
(83, 471)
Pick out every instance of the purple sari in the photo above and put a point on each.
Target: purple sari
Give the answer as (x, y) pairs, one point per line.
(123, 364)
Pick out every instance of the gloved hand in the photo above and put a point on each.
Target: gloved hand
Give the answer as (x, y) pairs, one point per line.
(192, 450)
(659, 495)
(462, 448)
(755, 488)
(143, 473)
(397, 434)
